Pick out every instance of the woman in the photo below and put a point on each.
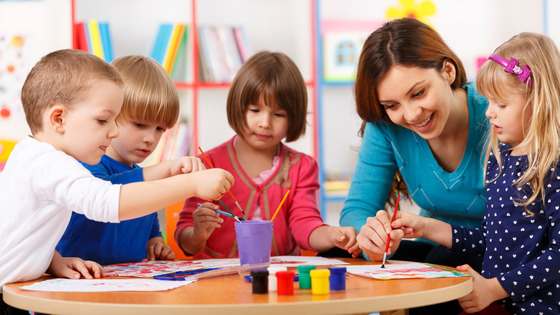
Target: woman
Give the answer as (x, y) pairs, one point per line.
(423, 132)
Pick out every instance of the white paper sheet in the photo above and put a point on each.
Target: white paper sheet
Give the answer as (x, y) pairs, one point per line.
(104, 285)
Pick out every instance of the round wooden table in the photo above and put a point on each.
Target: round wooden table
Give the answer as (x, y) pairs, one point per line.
(233, 295)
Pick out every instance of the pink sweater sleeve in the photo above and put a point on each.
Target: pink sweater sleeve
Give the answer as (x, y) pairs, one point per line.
(304, 215)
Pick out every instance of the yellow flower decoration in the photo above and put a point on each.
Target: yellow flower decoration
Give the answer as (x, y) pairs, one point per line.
(411, 10)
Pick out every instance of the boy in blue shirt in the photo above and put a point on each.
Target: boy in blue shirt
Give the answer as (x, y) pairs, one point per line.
(151, 105)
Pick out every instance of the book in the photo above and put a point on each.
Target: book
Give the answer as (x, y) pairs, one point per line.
(169, 45)
(242, 43)
(106, 43)
(95, 36)
(82, 40)
(222, 51)
(160, 45)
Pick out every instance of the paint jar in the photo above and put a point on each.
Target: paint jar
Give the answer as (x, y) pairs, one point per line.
(337, 278)
(260, 281)
(272, 283)
(285, 282)
(304, 277)
(320, 281)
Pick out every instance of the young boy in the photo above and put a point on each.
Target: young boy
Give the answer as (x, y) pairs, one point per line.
(151, 105)
(71, 100)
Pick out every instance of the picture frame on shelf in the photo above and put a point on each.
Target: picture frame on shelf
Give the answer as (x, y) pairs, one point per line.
(342, 44)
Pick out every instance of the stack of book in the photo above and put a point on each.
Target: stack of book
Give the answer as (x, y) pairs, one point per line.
(94, 37)
(169, 45)
(222, 51)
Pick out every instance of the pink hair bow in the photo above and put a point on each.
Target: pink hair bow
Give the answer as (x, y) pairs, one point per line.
(512, 66)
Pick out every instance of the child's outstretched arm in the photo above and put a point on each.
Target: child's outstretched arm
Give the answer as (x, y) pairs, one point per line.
(142, 198)
(326, 237)
(157, 250)
(74, 268)
(205, 220)
(414, 226)
(164, 169)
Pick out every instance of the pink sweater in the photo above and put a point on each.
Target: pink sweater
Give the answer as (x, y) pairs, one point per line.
(295, 221)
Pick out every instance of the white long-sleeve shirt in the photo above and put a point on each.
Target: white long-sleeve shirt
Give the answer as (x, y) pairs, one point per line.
(39, 188)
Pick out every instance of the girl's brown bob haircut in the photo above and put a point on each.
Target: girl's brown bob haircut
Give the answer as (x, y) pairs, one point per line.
(277, 77)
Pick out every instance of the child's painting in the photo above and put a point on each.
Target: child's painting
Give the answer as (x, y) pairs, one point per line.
(404, 271)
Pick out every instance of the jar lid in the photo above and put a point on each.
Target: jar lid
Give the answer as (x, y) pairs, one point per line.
(320, 273)
(337, 269)
(285, 274)
(306, 268)
(259, 273)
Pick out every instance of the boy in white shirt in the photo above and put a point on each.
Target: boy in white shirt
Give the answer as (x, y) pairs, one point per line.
(71, 100)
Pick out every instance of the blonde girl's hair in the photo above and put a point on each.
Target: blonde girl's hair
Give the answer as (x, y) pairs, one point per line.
(542, 139)
(149, 93)
(276, 76)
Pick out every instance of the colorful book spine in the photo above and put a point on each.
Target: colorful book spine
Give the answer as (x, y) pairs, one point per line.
(96, 39)
(160, 45)
(173, 48)
(183, 43)
(107, 45)
(82, 40)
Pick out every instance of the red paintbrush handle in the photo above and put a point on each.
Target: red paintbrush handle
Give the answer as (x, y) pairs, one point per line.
(393, 219)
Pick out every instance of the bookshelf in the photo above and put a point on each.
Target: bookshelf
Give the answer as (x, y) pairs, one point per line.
(287, 26)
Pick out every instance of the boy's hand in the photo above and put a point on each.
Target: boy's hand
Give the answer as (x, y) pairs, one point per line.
(74, 268)
(185, 165)
(159, 251)
(485, 291)
(205, 221)
(212, 184)
(345, 238)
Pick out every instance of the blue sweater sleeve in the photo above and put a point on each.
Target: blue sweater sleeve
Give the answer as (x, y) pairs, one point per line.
(372, 178)
(101, 170)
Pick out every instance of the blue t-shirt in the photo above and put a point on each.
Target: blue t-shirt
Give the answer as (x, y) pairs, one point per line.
(457, 197)
(110, 243)
(520, 249)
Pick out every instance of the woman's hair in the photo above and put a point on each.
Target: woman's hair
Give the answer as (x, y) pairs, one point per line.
(149, 93)
(542, 139)
(402, 42)
(61, 77)
(277, 77)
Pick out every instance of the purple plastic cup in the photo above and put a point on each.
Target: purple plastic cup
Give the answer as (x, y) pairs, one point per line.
(254, 241)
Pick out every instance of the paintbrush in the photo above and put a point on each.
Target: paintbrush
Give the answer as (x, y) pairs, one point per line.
(229, 192)
(389, 236)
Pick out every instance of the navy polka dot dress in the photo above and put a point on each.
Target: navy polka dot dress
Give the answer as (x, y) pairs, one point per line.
(520, 249)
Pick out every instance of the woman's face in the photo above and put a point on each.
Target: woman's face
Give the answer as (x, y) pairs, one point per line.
(418, 99)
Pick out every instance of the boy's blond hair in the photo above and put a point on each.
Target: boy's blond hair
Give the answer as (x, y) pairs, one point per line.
(542, 140)
(149, 93)
(61, 77)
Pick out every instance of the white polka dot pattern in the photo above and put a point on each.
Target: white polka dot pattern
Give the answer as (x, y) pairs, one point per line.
(521, 250)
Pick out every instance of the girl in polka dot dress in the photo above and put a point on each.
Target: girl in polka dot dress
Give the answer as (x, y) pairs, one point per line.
(520, 234)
